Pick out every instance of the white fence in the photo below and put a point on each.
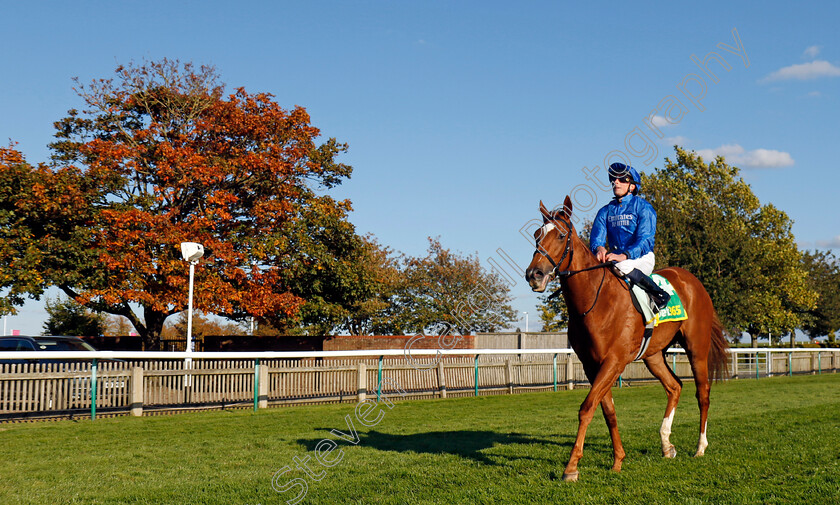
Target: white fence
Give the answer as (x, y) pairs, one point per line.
(121, 382)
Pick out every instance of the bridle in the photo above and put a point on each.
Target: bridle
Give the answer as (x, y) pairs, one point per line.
(568, 251)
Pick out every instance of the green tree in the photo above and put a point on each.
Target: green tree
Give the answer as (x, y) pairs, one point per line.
(346, 281)
(66, 317)
(161, 155)
(823, 277)
(552, 313)
(447, 288)
(710, 223)
(378, 271)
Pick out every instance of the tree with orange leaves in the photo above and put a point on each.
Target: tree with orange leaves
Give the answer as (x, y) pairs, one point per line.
(159, 156)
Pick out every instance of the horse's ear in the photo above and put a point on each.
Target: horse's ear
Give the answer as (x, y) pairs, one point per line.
(546, 214)
(567, 207)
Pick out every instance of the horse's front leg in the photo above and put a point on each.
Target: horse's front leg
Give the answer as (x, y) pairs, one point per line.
(608, 408)
(600, 387)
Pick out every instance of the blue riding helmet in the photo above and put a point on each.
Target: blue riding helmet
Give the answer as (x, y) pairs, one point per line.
(620, 171)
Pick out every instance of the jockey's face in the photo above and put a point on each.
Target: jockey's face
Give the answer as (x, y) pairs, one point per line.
(622, 187)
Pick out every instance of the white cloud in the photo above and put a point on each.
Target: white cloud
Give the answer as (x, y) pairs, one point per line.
(660, 121)
(811, 52)
(727, 151)
(740, 157)
(804, 72)
(679, 140)
(815, 94)
(833, 243)
(767, 158)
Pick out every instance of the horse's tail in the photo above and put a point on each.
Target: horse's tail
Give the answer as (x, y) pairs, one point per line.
(718, 352)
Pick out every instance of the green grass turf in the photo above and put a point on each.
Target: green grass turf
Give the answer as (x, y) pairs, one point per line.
(771, 441)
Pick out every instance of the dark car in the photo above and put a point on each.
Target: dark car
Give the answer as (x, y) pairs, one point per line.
(79, 387)
(46, 343)
(62, 343)
(18, 343)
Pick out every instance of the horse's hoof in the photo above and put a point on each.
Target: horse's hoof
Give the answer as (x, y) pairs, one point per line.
(571, 477)
(670, 452)
(699, 454)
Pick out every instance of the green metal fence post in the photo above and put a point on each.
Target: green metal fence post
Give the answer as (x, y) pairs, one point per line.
(619, 381)
(256, 382)
(819, 363)
(476, 375)
(93, 390)
(790, 363)
(555, 371)
(674, 363)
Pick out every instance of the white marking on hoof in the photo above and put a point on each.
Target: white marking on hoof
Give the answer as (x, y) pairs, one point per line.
(665, 435)
(571, 477)
(701, 445)
(670, 452)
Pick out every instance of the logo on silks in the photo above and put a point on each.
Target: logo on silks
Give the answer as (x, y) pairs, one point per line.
(621, 219)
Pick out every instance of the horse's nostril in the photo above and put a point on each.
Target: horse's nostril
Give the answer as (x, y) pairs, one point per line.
(533, 273)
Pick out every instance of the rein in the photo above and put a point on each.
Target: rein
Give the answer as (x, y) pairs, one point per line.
(570, 273)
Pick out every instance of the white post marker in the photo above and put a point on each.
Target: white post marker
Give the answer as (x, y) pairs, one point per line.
(192, 252)
(190, 310)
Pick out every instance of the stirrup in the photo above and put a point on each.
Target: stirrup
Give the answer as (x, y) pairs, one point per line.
(655, 303)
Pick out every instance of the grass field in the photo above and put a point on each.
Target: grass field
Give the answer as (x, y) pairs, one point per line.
(771, 441)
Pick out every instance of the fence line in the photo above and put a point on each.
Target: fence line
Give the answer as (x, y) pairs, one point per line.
(138, 382)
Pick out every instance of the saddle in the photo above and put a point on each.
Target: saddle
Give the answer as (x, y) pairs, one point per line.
(674, 311)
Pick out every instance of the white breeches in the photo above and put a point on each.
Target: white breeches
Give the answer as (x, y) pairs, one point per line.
(644, 263)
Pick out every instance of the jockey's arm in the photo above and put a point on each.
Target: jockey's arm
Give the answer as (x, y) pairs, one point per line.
(644, 237)
(598, 235)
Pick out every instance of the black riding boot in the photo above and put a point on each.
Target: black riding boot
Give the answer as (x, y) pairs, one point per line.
(657, 295)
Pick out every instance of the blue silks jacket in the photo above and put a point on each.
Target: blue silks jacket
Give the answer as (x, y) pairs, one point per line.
(628, 226)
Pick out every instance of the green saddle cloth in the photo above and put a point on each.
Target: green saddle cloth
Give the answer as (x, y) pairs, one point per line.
(674, 311)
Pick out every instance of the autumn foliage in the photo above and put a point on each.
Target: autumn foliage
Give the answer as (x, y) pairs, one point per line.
(161, 155)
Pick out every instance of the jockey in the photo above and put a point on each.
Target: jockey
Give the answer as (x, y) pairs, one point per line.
(628, 225)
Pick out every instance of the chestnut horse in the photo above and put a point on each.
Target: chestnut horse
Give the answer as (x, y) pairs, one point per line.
(606, 331)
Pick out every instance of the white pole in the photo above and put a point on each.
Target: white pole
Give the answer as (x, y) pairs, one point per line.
(526, 322)
(190, 309)
(188, 361)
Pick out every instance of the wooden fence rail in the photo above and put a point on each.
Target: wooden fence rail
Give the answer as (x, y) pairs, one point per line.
(138, 386)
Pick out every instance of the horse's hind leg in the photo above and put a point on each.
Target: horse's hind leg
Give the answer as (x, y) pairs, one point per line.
(700, 367)
(673, 386)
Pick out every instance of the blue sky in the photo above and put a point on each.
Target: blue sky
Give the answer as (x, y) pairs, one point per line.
(461, 116)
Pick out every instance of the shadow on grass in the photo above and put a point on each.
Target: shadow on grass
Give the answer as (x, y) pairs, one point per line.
(468, 444)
